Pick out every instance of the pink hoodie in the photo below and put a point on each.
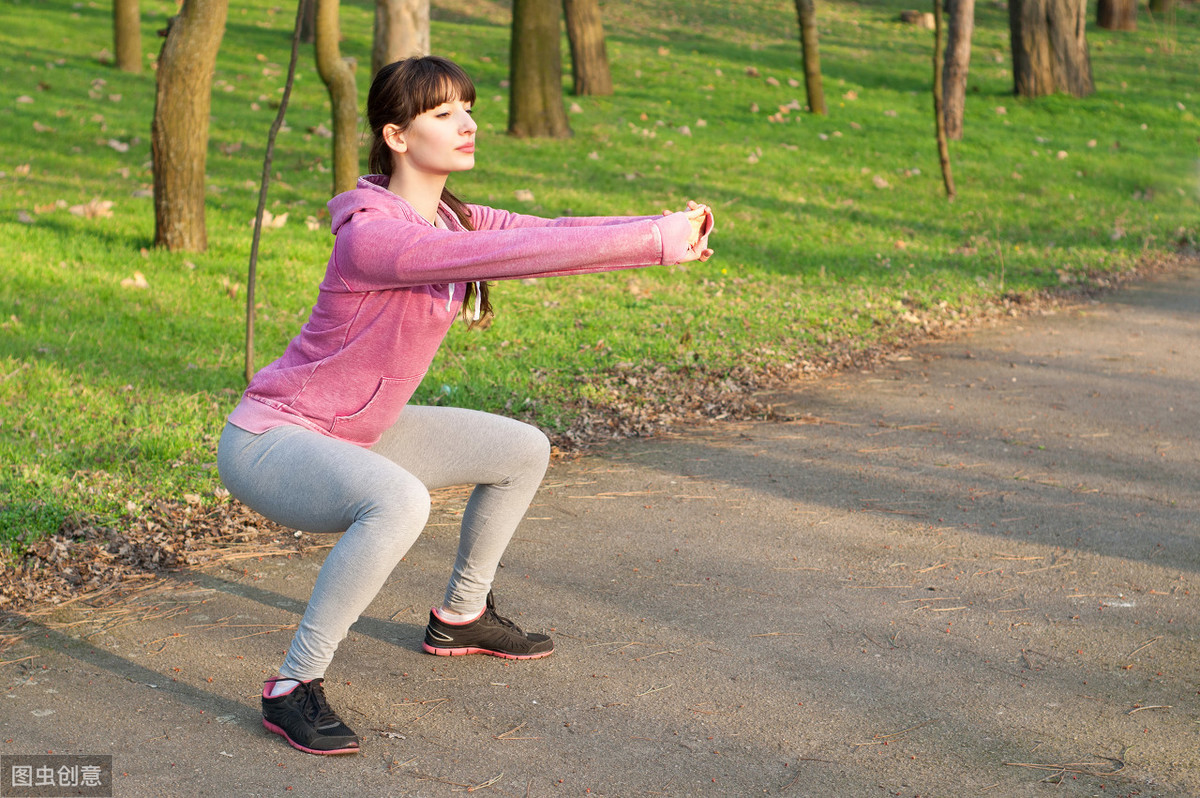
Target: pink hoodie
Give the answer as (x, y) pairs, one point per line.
(391, 292)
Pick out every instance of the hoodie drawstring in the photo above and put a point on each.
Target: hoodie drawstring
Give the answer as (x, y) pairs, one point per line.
(478, 300)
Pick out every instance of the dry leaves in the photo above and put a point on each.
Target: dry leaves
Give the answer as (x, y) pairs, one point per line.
(96, 209)
(138, 280)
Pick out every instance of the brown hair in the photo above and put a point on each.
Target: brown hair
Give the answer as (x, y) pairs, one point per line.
(402, 91)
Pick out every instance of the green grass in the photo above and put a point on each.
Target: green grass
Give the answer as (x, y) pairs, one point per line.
(832, 232)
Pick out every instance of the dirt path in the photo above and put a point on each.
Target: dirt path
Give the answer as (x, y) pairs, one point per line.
(968, 572)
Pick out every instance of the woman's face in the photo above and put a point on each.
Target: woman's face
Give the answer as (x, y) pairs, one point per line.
(438, 141)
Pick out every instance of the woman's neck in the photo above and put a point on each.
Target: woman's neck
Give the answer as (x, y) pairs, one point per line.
(422, 191)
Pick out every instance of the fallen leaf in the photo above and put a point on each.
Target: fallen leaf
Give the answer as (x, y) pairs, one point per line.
(40, 128)
(24, 98)
(96, 209)
(312, 224)
(119, 146)
(880, 182)
(772, 81)
(1000, 109)
(576, 108)
(850, 95)
(523, 195)
(24, 218)
(138, 280)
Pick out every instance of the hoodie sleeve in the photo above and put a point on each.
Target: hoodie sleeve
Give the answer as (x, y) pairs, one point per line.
(376, 250)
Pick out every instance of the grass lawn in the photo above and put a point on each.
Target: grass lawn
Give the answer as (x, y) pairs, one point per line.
(118, 362)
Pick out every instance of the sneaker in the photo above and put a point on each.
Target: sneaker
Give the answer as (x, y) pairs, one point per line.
(488, 634)
(306, 721)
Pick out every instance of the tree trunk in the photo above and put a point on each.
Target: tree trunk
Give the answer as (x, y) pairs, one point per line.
(308, 23)
(1117, 14)
(535, 72)
(338, 74)
(939, 116)
(807, 11)
(589, 57)
(401, 30)
(1161, 7)
(127, 35)
(179, 132)
(960, 27)
(1049, 47)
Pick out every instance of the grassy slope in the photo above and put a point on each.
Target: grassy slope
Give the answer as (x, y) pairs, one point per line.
(831, 230)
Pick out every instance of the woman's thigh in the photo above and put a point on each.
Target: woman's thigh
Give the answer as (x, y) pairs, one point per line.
(305, 480)
(445, 446)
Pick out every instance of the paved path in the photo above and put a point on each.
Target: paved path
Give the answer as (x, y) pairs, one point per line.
(969, 571)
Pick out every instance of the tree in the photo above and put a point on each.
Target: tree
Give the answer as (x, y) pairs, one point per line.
(338, 74)
(1117, 14)
(1161, 7)
(401, 30)
(302, 18)
(127, 35)
(535, 105)
(938, 113)
(1049, 47)
(589, 57)
(960, 26)
(807, 12)
(179, 132)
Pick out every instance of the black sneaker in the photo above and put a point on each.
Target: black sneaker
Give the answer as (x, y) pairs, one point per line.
(306, 721)
(488, 634)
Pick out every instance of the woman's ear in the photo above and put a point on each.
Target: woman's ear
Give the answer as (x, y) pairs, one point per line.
(393, 136)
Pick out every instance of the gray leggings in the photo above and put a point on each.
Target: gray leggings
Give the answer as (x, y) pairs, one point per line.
(379, 498)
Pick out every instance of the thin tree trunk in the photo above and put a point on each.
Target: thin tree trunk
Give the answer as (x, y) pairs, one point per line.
(960, 28)
(308, 25)
(589, 56)
(807, 12)
(1161, 7)
(338, 74)
(127, 35)
(1049, 47)
(401, 30)
(939, 117)
(535, 70)
(252, 275)
(1117, 14)
(179, 132)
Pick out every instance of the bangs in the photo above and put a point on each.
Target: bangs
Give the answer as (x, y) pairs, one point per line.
(442, 85)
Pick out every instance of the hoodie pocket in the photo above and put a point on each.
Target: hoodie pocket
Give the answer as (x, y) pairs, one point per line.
(380, 412)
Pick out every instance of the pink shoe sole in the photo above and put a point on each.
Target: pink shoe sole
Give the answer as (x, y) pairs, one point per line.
(272, 727)
(459, 652)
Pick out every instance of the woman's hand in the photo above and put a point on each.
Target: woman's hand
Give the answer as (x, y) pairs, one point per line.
(701, 219)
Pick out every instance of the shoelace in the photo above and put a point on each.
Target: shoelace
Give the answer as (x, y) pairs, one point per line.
(316, 708)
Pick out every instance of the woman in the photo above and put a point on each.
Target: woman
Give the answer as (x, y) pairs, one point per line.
(324, 440)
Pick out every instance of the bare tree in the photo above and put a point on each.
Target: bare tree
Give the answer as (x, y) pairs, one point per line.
(589, 56)
(535, 72)
(179, 132)
(1116, 14)
(959, 29)
(1049, 47)
(338, 74)
(807, 12)
(938, 114)
(127, 35)
(302, 13)
(1161, 7)
(401, 30)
